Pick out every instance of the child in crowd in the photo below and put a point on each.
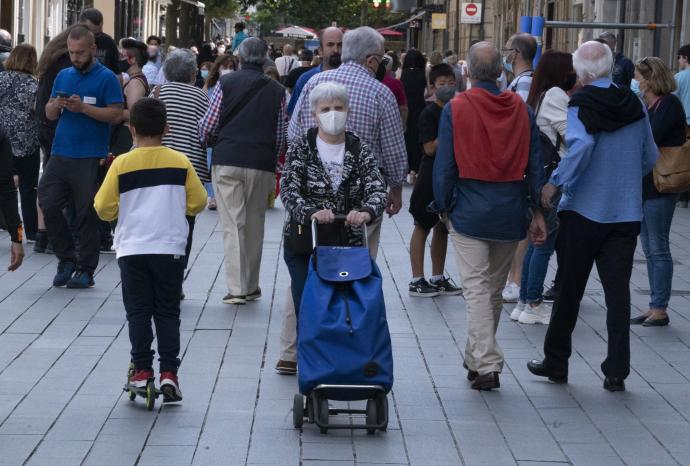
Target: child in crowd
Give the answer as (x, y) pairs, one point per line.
(442, 84)
(149, 191)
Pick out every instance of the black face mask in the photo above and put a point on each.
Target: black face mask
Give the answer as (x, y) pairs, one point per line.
(334, 61)
(570, 82)
(381, 71)
(123, 65)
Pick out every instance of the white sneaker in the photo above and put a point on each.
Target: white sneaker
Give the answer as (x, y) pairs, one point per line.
(536, 315)
(519, 308)
(511, 293)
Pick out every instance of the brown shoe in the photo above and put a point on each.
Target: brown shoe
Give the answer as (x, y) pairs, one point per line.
(286, 367)
(486, 381)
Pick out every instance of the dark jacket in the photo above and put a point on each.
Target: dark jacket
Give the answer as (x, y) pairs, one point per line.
(305, 187)
(249, 139)
(8, 192)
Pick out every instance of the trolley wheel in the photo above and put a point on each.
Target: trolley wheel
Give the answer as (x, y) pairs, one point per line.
(372, 418)
(132, 395)
(322, 413)
(310, 409)
(298, 411)
(150, 395)
(382, 410)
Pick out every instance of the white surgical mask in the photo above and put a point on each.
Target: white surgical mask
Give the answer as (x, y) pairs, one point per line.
(333, 122)
(223, 72)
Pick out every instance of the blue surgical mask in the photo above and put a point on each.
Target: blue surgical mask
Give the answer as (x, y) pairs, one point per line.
(507, 66)
(204, 74)
(635, 87)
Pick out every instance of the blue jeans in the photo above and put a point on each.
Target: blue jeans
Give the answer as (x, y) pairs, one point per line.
(656, 226)
(534, 269)
(209, 186)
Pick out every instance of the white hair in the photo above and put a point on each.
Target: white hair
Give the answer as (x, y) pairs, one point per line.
(360, 43)
(593, 60)
(327, 92)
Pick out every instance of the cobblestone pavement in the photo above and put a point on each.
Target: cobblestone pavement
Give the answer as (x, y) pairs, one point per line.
(64, 354)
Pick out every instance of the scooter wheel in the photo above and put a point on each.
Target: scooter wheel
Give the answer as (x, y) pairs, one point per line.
(298, 411)
(372, 418)
(150, 395)
(132, 395)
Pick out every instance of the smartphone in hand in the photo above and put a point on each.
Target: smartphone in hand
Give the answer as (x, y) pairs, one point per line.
(62, 95)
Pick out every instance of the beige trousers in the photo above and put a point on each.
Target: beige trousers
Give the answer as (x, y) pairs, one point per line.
(484, 267)
(242, 198)
(288, 330)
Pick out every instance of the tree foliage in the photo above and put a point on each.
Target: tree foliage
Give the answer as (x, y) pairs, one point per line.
(318, 14)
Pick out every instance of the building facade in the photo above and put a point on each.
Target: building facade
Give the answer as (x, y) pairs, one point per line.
(501, 18)
(37, 21)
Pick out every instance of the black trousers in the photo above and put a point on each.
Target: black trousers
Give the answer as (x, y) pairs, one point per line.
(611, 246)
(27, 169)
(151, 288)
(68, 181)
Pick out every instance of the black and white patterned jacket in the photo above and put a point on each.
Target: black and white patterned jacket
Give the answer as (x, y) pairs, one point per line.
(305, 187)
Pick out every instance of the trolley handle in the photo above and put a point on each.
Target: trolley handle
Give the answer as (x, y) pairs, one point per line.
(339, 218)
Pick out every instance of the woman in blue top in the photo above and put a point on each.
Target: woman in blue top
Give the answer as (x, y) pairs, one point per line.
(224, 64)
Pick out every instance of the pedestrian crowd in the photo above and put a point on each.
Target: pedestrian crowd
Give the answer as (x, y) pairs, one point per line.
(509, 163)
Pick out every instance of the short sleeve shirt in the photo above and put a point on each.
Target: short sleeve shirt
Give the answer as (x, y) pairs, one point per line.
(428, 123)
(78, 135)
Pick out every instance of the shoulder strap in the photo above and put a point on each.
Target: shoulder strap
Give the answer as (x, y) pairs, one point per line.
(246, 98)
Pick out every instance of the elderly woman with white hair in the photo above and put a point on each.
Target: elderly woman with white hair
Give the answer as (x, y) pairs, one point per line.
(185, 105)
(328, 171)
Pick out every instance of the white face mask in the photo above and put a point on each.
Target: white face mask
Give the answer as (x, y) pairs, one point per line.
(333, 122)
(224, 72)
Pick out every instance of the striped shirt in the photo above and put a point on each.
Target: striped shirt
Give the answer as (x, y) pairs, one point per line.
(149, 191)
(374, 117)
(186, 105)
(521, 84)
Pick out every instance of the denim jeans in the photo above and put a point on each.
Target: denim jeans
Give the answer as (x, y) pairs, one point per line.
(534, 269)
(298, 266)
(656, 226)
(209, 186)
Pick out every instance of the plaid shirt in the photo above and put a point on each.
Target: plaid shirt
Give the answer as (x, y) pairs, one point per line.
(208, 125)
(374, 117)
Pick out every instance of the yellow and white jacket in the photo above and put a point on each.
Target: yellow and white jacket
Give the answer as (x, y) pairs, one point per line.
(149, 191)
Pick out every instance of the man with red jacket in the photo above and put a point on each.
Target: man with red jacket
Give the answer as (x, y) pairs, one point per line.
(487, 142)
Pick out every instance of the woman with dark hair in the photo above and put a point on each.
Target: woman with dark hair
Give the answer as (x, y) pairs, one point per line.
(18, 88)
(552, 82)
(54, 59)
(414, 81)
(667, 117)
(224, 64)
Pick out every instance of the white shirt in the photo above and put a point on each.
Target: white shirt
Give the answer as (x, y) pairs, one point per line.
(332, 157)
(552, 116)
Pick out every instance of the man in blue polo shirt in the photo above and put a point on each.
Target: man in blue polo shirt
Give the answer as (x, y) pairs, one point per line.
(86, 99)
(330, 47)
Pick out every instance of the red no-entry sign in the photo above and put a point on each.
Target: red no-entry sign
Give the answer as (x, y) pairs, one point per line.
(471, 13)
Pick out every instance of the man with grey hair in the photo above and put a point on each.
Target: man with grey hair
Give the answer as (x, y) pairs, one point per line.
(374, 114)
(623, 68)
(5, 47)
(246, 125)
(610, 149)
(487, 141)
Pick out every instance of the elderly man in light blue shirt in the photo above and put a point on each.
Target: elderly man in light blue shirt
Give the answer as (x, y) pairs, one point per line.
(610, 149)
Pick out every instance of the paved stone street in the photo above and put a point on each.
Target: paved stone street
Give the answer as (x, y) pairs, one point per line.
(64, 355)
